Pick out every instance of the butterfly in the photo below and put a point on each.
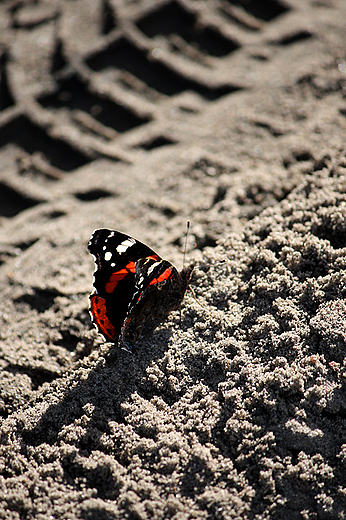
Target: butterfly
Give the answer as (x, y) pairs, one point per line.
(134, 288)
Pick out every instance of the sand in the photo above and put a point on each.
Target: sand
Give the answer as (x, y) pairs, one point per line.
(139, 116)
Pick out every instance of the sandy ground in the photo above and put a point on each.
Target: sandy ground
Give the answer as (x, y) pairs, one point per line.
(139, 116)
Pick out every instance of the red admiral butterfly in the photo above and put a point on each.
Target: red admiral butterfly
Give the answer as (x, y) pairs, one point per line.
(135, 289)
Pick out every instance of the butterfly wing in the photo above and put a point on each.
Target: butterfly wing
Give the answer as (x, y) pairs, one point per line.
(115, 256)
(159, 289)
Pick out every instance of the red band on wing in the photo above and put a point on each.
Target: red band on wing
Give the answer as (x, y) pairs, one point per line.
(118, 276)
(99, 313)
(164, 276)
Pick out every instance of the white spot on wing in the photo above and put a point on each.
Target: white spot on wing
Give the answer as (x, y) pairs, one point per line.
(151, 269)
(108, 256)
(129, 242)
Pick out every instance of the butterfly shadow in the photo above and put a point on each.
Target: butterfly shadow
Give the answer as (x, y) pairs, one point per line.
(96, 397)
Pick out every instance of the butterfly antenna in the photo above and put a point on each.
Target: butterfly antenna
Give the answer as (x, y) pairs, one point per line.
(187, 234)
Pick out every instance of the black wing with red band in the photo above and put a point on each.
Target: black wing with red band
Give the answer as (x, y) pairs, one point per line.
(115, 257)
(134, 288)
